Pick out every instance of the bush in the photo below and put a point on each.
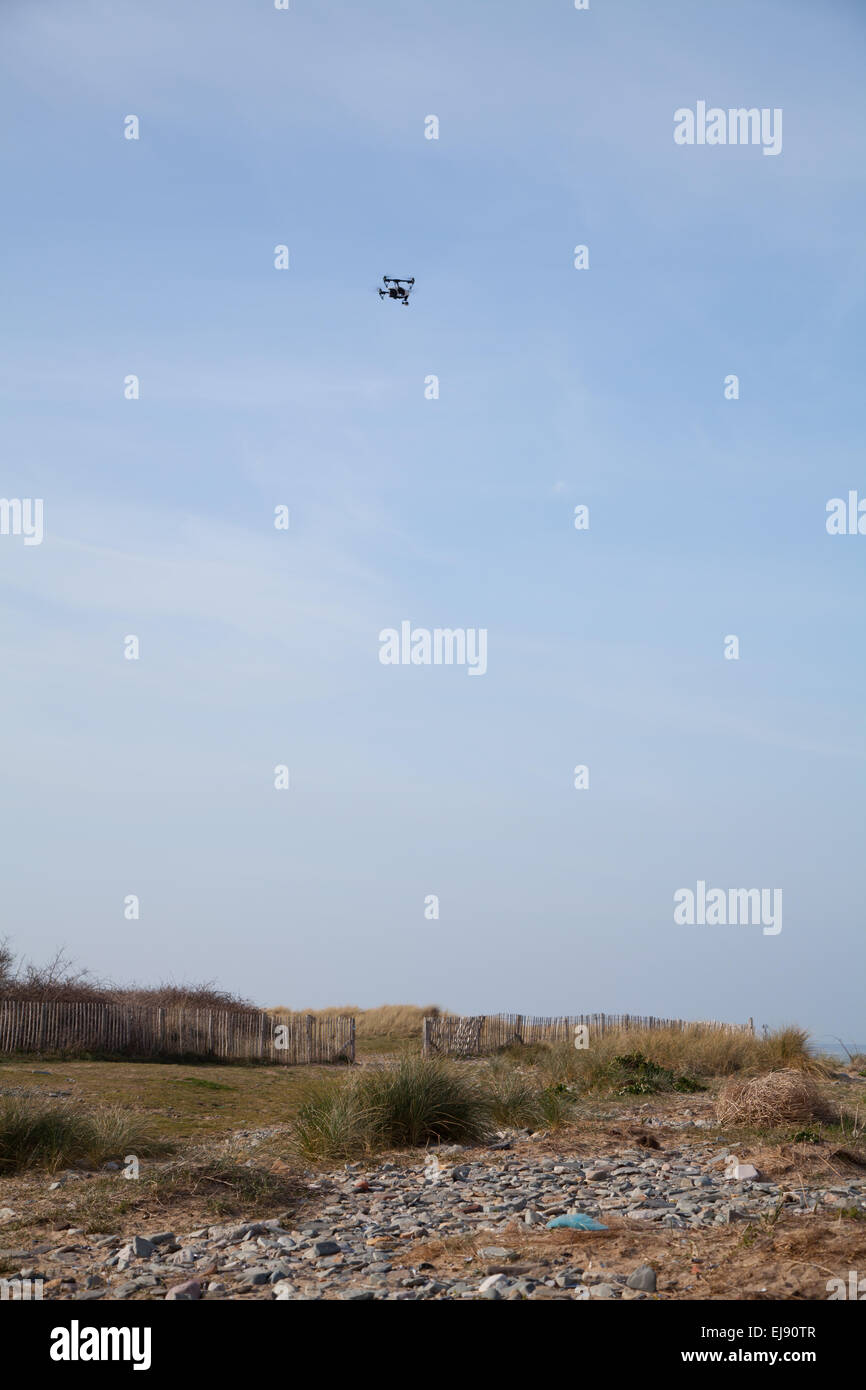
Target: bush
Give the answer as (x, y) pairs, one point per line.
(36, 1134)
(413, 1104)
(60, 979)
(646, 1078)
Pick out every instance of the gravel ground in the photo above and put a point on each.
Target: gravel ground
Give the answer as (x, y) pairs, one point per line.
(364, 1227)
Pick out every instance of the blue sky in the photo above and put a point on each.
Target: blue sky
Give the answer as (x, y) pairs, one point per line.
(557, 387)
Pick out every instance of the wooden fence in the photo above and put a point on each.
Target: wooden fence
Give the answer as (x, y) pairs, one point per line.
(469, 1037)
(145, 1032)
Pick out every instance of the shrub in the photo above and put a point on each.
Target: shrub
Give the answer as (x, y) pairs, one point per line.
(646, 1078)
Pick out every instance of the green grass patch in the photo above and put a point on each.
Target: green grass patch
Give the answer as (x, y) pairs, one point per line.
(258, 1096)
(204, 1083)
(814, 1134)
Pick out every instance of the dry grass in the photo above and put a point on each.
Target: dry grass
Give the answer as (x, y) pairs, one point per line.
(696, 1052)
(198, 1188)
(388, 1020)
(520, 1101)
(43, 1134)
(777, 1098)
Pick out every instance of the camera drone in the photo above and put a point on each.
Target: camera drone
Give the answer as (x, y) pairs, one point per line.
(397, 289)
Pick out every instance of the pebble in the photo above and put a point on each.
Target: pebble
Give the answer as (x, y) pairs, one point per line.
(185, 1293)
(644, 1277)
(367, 1213)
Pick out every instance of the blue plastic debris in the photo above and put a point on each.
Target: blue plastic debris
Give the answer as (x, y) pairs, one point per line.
(576, 1221)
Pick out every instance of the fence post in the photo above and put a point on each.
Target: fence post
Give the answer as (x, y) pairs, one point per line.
(425, 1037)
(40, 1039)
(308, 1033)
(352, 1038)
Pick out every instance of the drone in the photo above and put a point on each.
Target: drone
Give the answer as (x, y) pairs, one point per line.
(397, 289)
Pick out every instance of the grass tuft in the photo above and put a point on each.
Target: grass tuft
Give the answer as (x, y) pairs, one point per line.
(39, 1134)
(518, 1101)
(410, 1105)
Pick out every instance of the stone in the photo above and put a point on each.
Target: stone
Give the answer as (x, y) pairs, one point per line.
(644, 1277)
(189, 1292)
(741, 1172)
(323, 1248)
(182, 1257)
(283, 1258)
(490, 1282)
